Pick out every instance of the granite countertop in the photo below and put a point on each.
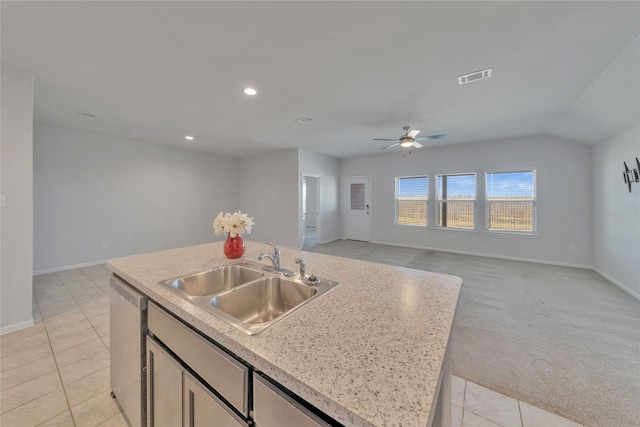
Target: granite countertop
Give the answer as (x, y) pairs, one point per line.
(368, 352)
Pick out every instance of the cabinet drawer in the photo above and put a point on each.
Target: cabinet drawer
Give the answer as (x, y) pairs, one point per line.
(273, 408)
(226, 375)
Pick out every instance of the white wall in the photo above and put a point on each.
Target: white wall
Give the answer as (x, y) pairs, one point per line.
(16, 184)
(563, 190)
(269, 192)
(134, 196)
(328, 168)
(616, 236)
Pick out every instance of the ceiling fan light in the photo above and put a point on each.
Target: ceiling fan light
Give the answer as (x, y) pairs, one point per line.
(406, 143)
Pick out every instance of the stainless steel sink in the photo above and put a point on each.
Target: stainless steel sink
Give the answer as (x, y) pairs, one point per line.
(246, 296)
(264, 300)
(215, 281)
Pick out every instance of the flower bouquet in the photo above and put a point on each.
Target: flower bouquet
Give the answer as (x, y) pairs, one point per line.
(234, 225)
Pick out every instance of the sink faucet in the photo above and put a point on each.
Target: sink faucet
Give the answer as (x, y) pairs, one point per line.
(275, 258)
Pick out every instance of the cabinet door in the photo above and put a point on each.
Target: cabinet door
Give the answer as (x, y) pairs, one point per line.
(164, 388)
(203, 408)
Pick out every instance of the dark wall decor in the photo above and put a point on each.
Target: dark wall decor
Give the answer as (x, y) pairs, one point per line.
(631, 175)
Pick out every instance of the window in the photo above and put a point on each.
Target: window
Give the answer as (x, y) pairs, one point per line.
(456, 200)
(412, 200)
(357, 197)
(511, 201)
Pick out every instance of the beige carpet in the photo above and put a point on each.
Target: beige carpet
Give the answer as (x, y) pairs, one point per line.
(563, 339)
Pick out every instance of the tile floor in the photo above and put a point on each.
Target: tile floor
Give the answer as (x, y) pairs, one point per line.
(473, 405)
(56, 373)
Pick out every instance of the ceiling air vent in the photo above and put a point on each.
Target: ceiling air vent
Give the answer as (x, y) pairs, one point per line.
(85, 114)
(472, 77)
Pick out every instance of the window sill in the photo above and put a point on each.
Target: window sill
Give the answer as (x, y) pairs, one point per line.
(410, 226)
(510, 233)
(459, 230)
(468, 231)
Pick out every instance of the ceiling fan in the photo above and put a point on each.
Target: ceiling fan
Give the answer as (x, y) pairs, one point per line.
(409, 139)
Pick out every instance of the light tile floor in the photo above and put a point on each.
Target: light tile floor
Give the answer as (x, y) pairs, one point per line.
(56, 373)
(473, 405)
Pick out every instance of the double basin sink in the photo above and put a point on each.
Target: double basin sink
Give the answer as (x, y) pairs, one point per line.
(245, 295)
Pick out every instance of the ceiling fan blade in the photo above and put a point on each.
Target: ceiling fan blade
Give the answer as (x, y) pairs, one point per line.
(417, 145)
(385, 139)
(389, 146)
(413, 133)
(423, 138)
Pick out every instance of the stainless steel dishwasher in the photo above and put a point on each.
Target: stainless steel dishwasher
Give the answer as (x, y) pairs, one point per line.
(128, 323)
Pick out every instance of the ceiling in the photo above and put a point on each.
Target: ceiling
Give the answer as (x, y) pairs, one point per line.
(157, 71)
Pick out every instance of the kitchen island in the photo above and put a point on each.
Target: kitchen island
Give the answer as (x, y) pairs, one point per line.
(370, 352)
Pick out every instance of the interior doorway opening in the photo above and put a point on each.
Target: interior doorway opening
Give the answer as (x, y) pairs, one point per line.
(311, 215)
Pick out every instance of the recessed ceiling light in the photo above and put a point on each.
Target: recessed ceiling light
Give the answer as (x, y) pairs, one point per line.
(189, 138)
(250, 91)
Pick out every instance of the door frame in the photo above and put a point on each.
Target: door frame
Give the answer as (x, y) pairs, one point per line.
(301, 221)
(346, 203)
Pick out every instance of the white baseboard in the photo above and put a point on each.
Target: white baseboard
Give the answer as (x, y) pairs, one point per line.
(16, 327)
(631, 292)
(69, 267)
(328, 241)
(453, 251)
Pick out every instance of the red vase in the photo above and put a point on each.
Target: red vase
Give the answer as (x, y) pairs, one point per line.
(234, 246)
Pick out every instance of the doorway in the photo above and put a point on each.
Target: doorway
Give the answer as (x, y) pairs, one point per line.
(358, 209)
(311, 211)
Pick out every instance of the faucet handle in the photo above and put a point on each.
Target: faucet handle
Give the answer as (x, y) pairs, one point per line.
(276, 251)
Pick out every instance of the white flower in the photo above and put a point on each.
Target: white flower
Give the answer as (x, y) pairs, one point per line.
(218, 224)
(234, 224)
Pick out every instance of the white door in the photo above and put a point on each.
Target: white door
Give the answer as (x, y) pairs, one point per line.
(358, 207)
